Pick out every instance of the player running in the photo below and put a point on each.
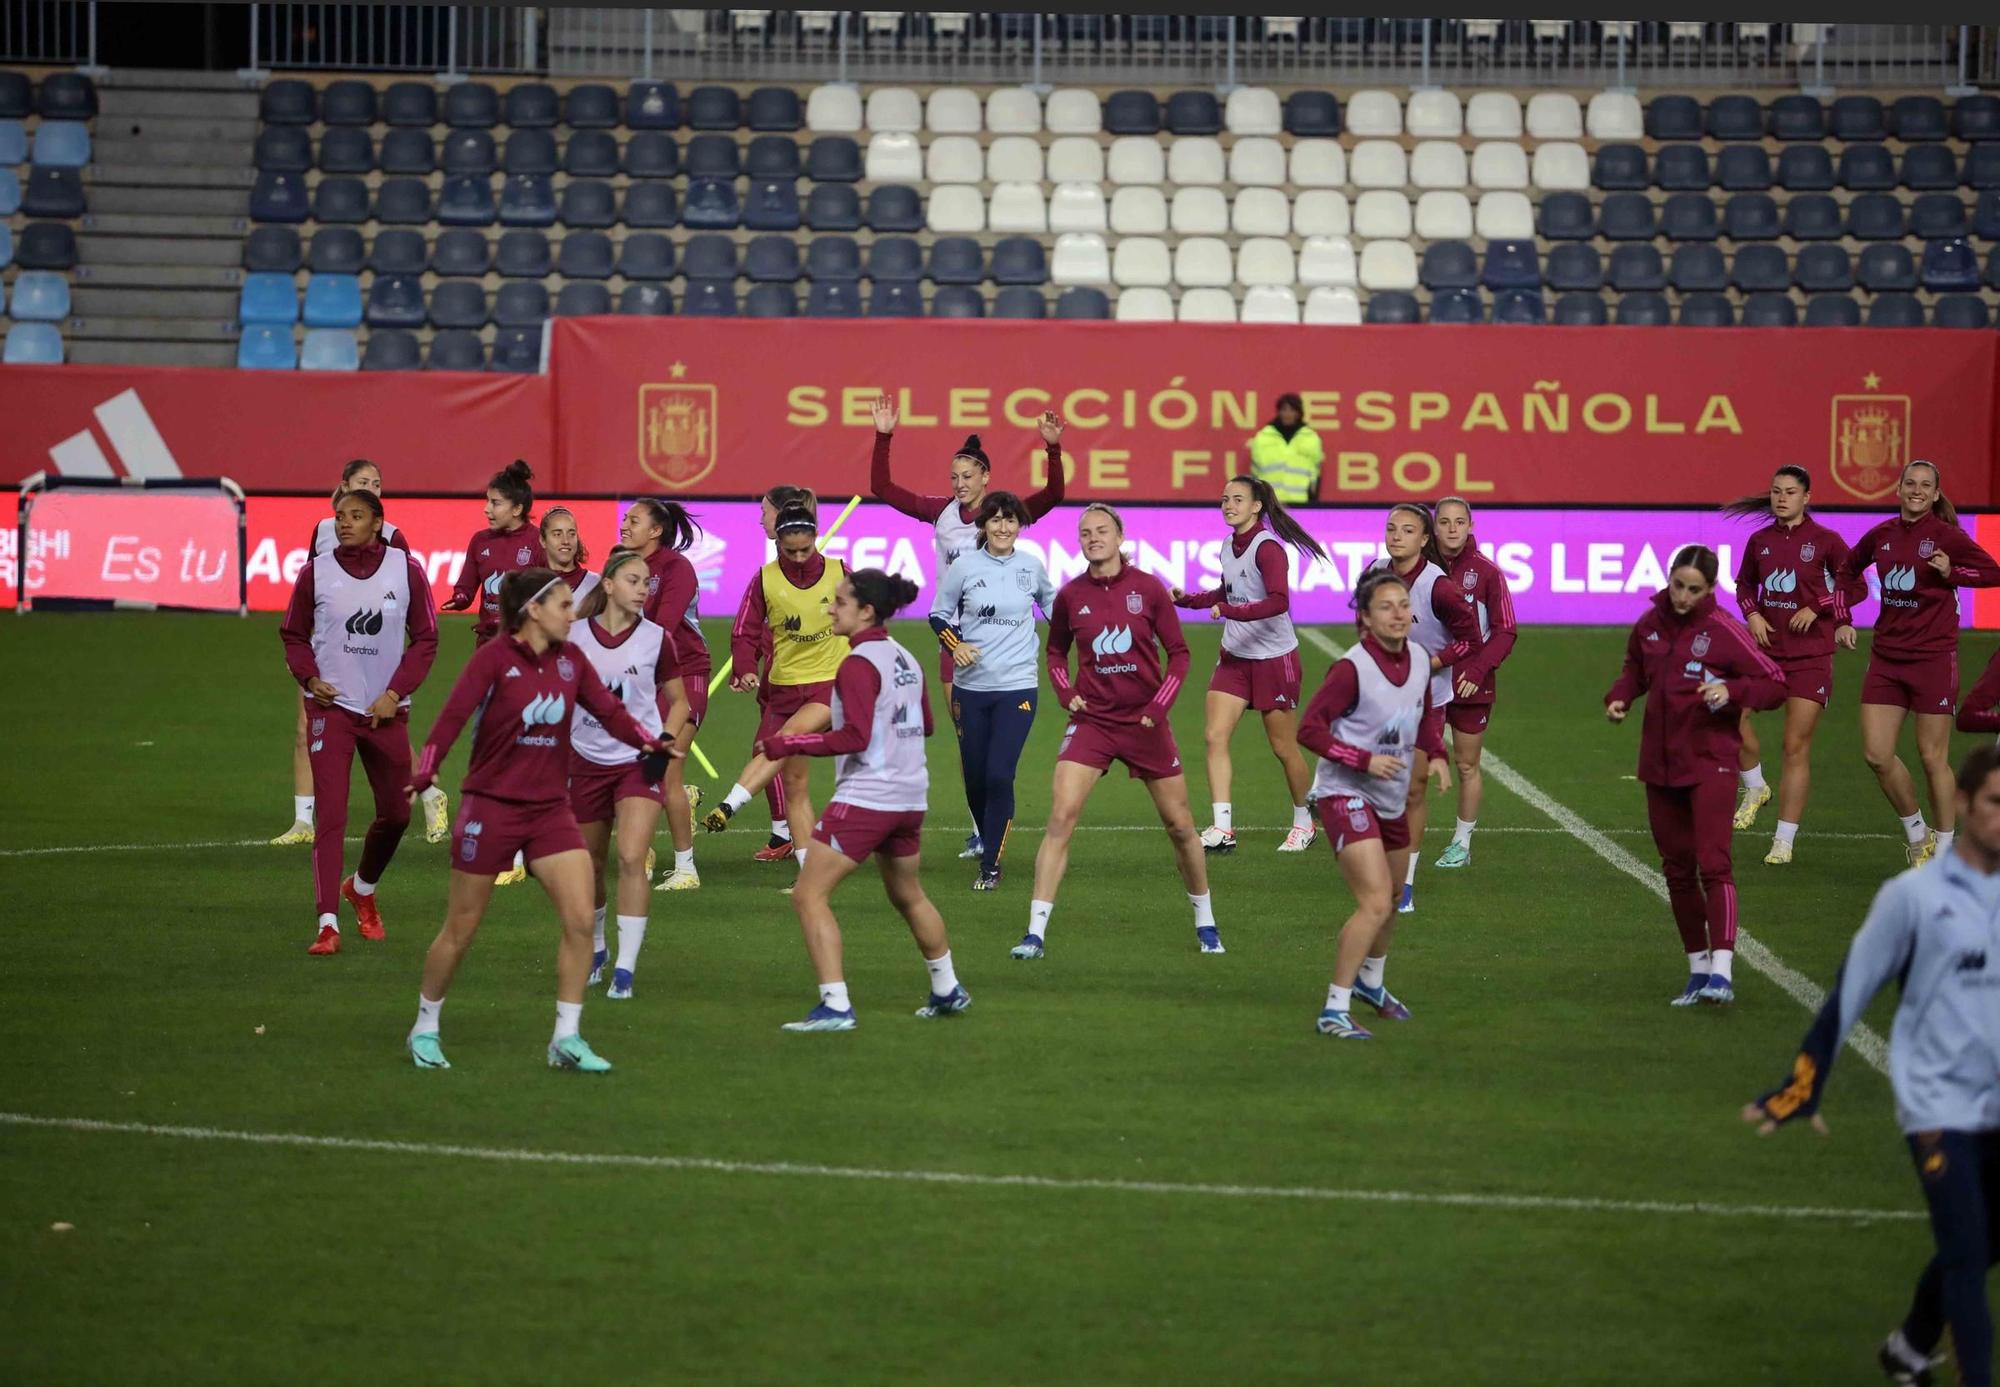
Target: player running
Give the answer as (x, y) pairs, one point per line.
(359, 636)
(777, 847)
(1476, 580)
(1364, 724)
(954, 518)
(1118, 705)
(1259, 665)
(515, 796)
(880, 718)
(1785, 586)
(1980, 712)
(661, 531)
(1696, 662)
(609, 789)
(567, 558)
(984, 617)
(1931, 933)
(1921, 557)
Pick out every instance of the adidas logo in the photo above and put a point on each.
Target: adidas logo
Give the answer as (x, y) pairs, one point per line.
(513, 673)
(1026, 706)
(1972, 961)
(1652, 637)
(365, 623)
(134, 437)
(1083, 611)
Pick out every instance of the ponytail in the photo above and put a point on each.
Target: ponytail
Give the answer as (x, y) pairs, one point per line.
(886, 593)
(519, 590)
(1943, 509)
(1278, 518)
(784, 494)
(677, 526)
(513, 483)
(1758, 503)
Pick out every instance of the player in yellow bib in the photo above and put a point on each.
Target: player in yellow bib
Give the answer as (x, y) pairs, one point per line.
(789, 604)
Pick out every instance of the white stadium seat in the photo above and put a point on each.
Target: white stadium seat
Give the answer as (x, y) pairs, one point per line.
(953, 111)
(954, 159)
(1076, 159)
(1077, 207)
(1379, 164)
(1499, 164)
(1145, 305)
(1333, 307)
(1073, 111)
(1327, 260)
(1015, 159)
(1135, 159)
(956, 209)
(1256, 161)
(1321, 212)
(896, 158)
(1437, 164)
(1013, 111)
(1265, 260)
(1382, 214)
(1444, 215)
(833, 110)
(1270, 303)
(1434, 115)
(1142, 260)
(1561, 167)
(1261, 212)
(1505, 217)
(1208, 306)
(1388, 265)
(1253, 111)
(895, 109)
(1080, 258)
(1203, 261)
(1372, 113)
(1493, 116)
(1554, 116)
(1319, 164)
(1200, 212)
(1194, 160)
(1615, 116)
(1139, 212)
(1017, 207)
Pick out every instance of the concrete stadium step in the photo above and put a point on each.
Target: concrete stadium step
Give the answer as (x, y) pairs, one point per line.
(157, 276)
(122, 301)
(97, 250)
(92, 352)
(150, 174)
(104, 327)
(107, 199)
(129, 149)
(173, 79)
(234, 228)
(117, 104)
(181, 129)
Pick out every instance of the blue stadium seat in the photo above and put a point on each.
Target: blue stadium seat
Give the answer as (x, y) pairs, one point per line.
(834, 298)
(1950, 265)
(1573, 266)
(1822, 268)
(1707, 310)
(517, 351)
(402, 201)
(1741, 168)
(1620, 168)
(1130, 113)
(66, 96)
(773, 259)
(1797, 117)
(456, 351)
(1511, 265)
(1875, 217)
(265, 347)
(772, 206)
(1812, 217)
(529, 151)
(273, 249)
(1457, 306)
(650, 204)
(14, 143)
(1636, 268)
(10, 193)
(772, 156)
(1885, 268)
(896, 298)
(1565, 217)
(708, 298)
(459, 304)
(833, 257)
(1937, 216)
(268, 298)
(1895, 310)
(337, 250)
(1867, 167)
(398, 252)
(1735, 118)
(1929, 167)
(1915, 118)
(528, 199)
(6, 252)
(1519, 308)
(834, 159)
(471, 106)
(520, 303)
(62, 144)
(1194, 113)
(46, 246)
(1313, 113)
(1020, 301)
(335, 301)
(771, 301)
(467, 201)
(410, 104)
(33, 344)
(894, 209)
(1020, 260)
(1626, 217)
(652, 106)
(652, 154)
(1688, 217)
(1976, 117)
(1673, 118)
(714, 108)
(531, 106)
(1832, 310)
(330, 349)
(592, 106)
(1961, 310)
(340, 202)
(346, 149)
(1982, 165)
(40, 296)
(1082, 303)
(1760, 269)
(956, 260)
(468, 151)
(1805, 168)
(17, 95)
(347, 102)
(1580, 310)
(392, 350)
(522, 254)
(1751, 217)
(53, 193)
(1448, 265)
(1682, 168)
(408, 151)
(712, 204)
(588, 203)
(1986, 216)
(646, 255)
(1858, 118)
(460, 251)
(646, 300)
(774, 108)
(709, 257)
(897, 258)
(958, 301)
(1698, 267)
(1644, 310)
(584, 299)
(586, 255)
(713, 156)
(286, 101)
(1391, 306)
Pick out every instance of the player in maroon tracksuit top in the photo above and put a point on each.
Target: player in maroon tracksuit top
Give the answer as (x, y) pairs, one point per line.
(507, 543)
(1118, 704)
(1472, 578)
(660, 531)
(359, 636)
(1792, 602)
(523, 689)
(1921, 559)
(1695, 667)
(1980, 712)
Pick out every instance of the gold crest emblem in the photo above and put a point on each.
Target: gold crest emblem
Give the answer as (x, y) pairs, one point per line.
(677, 426)
(1869, 441)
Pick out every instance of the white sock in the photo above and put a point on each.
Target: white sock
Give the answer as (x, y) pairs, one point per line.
(1698, 964)
(1461, 831)
(1906, 1352)
(1945, 835)
(834, 994)
(1787, 831)
(1038, 917)
(780, 828)
(683, 861)
(631, 934)
(1339, 998)
(1752, 779)
(364, 889)
(1204, 910)
(737, 798)
(1913, 826)
(1224, 816)
(432, 795)
(1718, 963)
(1372, 970)
(1302, 817)
(302, 809)
(597, 932)
(520, 861)
(1410, 876)
(569, 1015)
(427, 1015)
(943, 979)
(329, 919)
(799, 855)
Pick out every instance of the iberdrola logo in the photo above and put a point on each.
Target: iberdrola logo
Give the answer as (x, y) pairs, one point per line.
(1900, 579)
(544, 710)
(1112, 640)
(1782, 580)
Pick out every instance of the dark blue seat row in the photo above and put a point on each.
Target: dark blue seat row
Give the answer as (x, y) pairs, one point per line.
(528, 106)
(1799, 117)
(1651, 309)
(586, 154)
(1799, 167)
(1946, 265)
(1632, 216)
(531, 200)
(61, 96)
(456, 349)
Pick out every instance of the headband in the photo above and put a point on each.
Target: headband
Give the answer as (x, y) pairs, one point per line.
(619, 560)
(545, 589)
(798, 523)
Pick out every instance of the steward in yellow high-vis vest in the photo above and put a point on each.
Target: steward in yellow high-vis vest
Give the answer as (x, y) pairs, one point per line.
(1287, 454)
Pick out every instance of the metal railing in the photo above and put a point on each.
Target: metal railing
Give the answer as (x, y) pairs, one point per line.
(51, 32)
(444, 39)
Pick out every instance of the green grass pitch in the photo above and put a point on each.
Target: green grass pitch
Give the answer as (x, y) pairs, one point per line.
(170, 985)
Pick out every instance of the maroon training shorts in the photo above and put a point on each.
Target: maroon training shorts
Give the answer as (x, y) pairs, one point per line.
(1350, 819)
(858, 834)
(490, 831)
(1149, 753)
(594, 790)
(1927, 685)
(1265, 684)
(780, 701)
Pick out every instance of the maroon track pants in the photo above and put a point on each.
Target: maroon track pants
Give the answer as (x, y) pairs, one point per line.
(336, 737)
(1692, 828)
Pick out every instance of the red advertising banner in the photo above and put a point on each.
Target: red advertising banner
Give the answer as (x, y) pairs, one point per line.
(1593, 415)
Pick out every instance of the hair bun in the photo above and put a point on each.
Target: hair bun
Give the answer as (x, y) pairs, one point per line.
(972, 444)
(519, 468)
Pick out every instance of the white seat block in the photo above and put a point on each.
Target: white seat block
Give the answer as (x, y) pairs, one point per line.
(1554, 116)
(1203, 261)
(1253, 111)
(1333, 308)
(1075, 159)
(1144, 305)
(1437, 164)
(1499, 164)
(1270, 303)
(896, 158)
(956, 209)
(1444, 215)
(895, 109)
(1374, 113)
(1615, 116)
(1142, 260)
(1080, 258)
(833, 110)
(1493, 116)
(1388, 265)
(1261, 212)
(953, 159)
(1077, 207)
(1321, 212)
(953, 111)
(1382, 214)
(1327, 260)
(1015, 159)
(1135, 159)
(1200, 212)
(1139, 212)
(1013, 111)
(1017, 207)
(1504, 217)
(1073, 111)
(1257, 161)
(1265, 260)
(1434, 115)
(1319, 164)
(1195, 161)
(1561, 167)
(1379, 164)
(1208, 306)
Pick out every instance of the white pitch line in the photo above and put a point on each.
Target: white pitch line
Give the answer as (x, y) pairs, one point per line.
(1796, 985)
(1529, 1203)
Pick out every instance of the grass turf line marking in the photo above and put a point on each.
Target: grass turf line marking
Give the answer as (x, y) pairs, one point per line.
(1530, 1203)
(1796, 985)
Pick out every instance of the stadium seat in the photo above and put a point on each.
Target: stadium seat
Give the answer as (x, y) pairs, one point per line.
(1674, 118)
(1374, 114)
(1020, 302)
(1269, 303)
(1617, 167)
(1636, 268)
(285, 101)
(471, 106)
(774, 109)
(1867, 167)
(1949, 265)
(1743, 168)
(1929, 167)
(953, 159)
(1145, 304)
(1206, 306)
(1493, 116)
(1255, 111)
(1080, 258)
(1448, 265)
(1554, 116)
(832, 109)
(1567, 216)
(279, 149)
(1982, 165)
(1503, 165)
(65, 144)
(1081, 302)
(1895, 310)
(647, 255)
(1384, 215)
(1193, 113)
(716, 156)
(1689, 217)
(1644, 310)
(1682, 168)
(1124, 113)
(58, 193)
(763, 301)
(893, 157)
(395, 300)
(1626, 217)
(268, 298)
(711, 204)
(456, 351)
(1875, 217)
(408, 152)
(1812, 217)
(1760, 269)
(772, 205)
(1261, 212)
(588, 203)
(1937, 216)
(1614, 115)
(1443, 216)
(346, 102)
(14, 143)
(459, 303)
(466, 201)
(594, 154)
(533, 106)
(1457, 306)
(1511, 265)
(1071, 207)
(1805, 168)
(1320, 212)
(522, 255)
(1433, 164)
(520, 303)
(1374, 164)
(1823, 268)
(833, 207)
(334, 300)
(1019, 159)
(1318, 164)
(830, 257)
(653, 154)
(1392, 306)
(1197, 161)
(1986, 218)
(1751, 217)
(1520, 308)
(1202, 262)
(1698, 267)
(1735, 118)
(955, 260)
(1575, 267)
(953, 111)
(468, 151)
(1014, 207)
(1312, 114)
(1915, 118)
(591, 106)
(1858, 118)
(1885, 268)
(590, 299)
(1561, 167)
(1019, 260)
(897, 110)
(1388, 265)
(1013, 111)
(344, 149)
(1074, 111)
(340, 201)
(1580, 310)
(897, 258)
(1332, 307)
(1259, 162)
(392, 350)
(1265, 260)
(518, 350)
(1328, 261)
(709, 257)
(336, 250)
(1832, 310)
(1707, 310)
(833, 298)
(1797, 117)
(898, 209)
(398, 201)
(590, 255)
(260, 347)
(1434, 114)
(1961, 310)
(44, 246)
(895, 299)
(272, 249)
(1507, 217)
(1976, 117)
(461, 251)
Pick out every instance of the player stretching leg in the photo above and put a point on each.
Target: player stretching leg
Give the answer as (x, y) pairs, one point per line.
(516, 798)
(1931, 932)
(1364, 723)
(1479, 581)
(881, 787)
(1259, 666)
(344, 634)
(1695, 662)
(1118, 705)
